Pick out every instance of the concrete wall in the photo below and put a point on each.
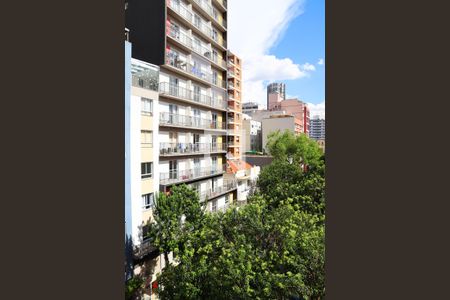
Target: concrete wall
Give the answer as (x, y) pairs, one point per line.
(270, 125)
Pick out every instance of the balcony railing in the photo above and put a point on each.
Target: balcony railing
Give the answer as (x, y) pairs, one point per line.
(188, 67)
(170, 149)
(220, 62)
(210, 10)
(175, 176)
(180, 36)
(189, 121)
(167, 88)
(188, 16)
(188, 41)
(228, 185)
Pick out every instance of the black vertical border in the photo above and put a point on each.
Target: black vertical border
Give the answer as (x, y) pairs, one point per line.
(63, 149)
(387, 155)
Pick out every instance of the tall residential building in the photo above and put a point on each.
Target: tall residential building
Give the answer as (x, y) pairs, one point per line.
(188, 40)
(281, 123)
(276, 92)
(317, 131)
(234, 106)
(141, 160)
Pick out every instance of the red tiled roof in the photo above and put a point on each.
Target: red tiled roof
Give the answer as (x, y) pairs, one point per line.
(237, 165)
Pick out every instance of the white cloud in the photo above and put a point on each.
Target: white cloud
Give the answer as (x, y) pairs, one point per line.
(308, 67)
(321, 61)
(254, 27)
(317, 110)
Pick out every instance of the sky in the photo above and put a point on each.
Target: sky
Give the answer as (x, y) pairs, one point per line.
(280, 41)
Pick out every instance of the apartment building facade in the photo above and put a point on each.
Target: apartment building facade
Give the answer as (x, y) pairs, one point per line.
(298, 109)
(252, 134)
(249, 107)
(141, 161)
(234, 106)
(187, 40)
(317, 128)
(281, 123)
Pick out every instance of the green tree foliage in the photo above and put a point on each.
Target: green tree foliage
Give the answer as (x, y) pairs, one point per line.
(283, 183)
(251, 253)
(272, 248)
(174, 215)
(296, 149)
(132, 288)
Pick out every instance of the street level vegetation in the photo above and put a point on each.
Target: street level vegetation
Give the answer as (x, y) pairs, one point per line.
(271, 248)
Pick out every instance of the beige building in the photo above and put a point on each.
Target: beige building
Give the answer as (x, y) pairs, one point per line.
(281, 123)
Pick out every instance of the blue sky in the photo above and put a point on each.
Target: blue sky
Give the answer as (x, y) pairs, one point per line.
(280, 41)
(304, 41)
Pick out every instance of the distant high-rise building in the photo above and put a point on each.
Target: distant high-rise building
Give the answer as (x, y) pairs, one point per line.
(276, 92)
(249, 107)
(317, 131)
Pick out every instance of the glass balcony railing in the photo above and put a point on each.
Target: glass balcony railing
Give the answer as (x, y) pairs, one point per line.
(228, 185)
(188, 41)
(170, 149)
(176, 176)
(144, 75)
(186, 14)
(188, 67)
(189, 121)
(166, 88)
(212, 11)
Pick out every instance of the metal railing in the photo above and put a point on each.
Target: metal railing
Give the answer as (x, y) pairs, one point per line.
(188, 67)
(180, 36)
(188, 41)
(171, 149)
(167, 88)
(228, 185)
(175, 176)
(188, 16)
(166, 118)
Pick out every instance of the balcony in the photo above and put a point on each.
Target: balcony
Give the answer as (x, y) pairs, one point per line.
(219, 83)
(222, 4)
(168, 89)
(179, 149)
(226, 187)
(210, 11)
(175, 176)
(188, 67)
(144, 75)
(220, 62)
(188, 16)
(176, 120)
(188, 42)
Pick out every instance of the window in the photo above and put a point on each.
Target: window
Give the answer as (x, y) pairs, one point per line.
(146, 106)
(147, 138)
(214, 205)
(146, 170)
(148, 201)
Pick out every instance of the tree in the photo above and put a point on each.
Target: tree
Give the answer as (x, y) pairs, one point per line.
(296, 149)
(251, 253)
(174, 215)
(283, 183)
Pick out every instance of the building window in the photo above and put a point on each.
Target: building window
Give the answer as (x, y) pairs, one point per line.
(146, 106)
(147, 138)
(147, 170)
(214, 205)
(148, 201)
